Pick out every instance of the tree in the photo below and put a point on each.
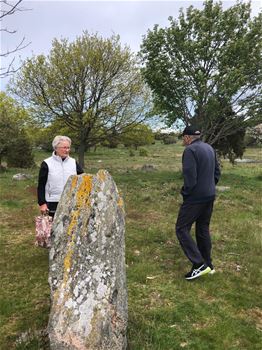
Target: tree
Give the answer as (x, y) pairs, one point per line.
(8, 8)
(42, 136)
(254, 136)
(206, 69)
(139, 135)
(15, 146)
(92, 84)
(20, 154)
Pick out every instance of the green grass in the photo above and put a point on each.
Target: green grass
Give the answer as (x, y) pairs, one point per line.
(219, 312)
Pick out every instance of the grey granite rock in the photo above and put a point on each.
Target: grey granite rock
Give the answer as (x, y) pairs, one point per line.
(148, 168)
(223, 188)
(243, 160)
(21, 176)
(87, 267)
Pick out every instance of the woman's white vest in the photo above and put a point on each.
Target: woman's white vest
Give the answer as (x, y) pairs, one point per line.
(58, 172)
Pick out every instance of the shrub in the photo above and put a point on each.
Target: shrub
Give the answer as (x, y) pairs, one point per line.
(168, 140)
(138, 135)
(253, 136)
(143, 152)
(19, 154)
(131, 153)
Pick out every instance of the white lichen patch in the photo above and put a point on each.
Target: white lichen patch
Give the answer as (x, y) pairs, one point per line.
(79, 299)
(101, 291)
(69, 303)
(100, 206)
(101, 196)
(76, 291)
(97, 274)
(86, 311)
(51, 254)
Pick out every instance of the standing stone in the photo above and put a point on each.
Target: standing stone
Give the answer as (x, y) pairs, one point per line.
(87, 267)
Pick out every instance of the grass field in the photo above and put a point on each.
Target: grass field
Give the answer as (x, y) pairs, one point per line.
(218, 312)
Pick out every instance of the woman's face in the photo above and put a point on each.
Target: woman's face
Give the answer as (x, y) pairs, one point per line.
(63, 149)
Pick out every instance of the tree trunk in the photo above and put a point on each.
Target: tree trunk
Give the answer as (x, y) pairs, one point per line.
(81, 154)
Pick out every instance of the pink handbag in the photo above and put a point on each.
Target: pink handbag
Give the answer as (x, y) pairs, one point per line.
(43, 226)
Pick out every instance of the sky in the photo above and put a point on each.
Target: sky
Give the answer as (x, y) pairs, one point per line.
(42, 21)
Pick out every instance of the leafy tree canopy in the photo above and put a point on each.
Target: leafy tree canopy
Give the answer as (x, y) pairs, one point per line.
(92, 84)
(139, 135)
(15, 146)
(43, 136)
(206, 69)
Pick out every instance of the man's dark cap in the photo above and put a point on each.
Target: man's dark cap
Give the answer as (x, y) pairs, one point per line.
(191, 130)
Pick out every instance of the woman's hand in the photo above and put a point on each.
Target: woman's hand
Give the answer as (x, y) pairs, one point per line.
(43, 208)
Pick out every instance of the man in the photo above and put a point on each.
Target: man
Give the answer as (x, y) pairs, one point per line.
(201, 173)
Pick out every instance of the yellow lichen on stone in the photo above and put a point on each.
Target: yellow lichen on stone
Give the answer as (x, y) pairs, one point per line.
(82, 198)
(120, 202)
(67, 261)
(74, 217)
(83, 192)
(70, 250)
(74, 182)
(101, 175)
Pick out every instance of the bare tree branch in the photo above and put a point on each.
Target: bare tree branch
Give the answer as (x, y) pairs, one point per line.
(11, 8)
(8, 8)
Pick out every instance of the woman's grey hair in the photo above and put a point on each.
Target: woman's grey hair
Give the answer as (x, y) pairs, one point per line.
(58, 139)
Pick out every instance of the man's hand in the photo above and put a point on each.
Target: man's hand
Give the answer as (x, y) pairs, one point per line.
(43, 208)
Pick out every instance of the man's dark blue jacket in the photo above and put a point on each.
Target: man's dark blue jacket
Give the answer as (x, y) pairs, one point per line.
(200, 171)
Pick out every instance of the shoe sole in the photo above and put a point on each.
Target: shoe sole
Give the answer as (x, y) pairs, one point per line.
(212, 272)
(202, 273)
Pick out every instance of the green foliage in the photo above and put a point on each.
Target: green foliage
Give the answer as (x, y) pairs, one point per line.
(232, 146)
(166, 138)
(46, 135)
(169, 139)
(158, 135)
(15, 146)
(254, 136)
(91, 84)
(20, 155)
(143, 152)
(131, 153)
(206, 69)
(112, 142)
(221, 116)
(137, 135)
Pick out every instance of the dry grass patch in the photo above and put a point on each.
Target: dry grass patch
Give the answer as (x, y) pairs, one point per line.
(20, 237)
(253, 315)
(10, 327)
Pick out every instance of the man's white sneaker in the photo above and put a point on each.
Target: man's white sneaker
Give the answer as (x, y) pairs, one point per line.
(197, 272)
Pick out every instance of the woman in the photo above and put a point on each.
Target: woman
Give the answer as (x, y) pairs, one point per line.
(53, 174)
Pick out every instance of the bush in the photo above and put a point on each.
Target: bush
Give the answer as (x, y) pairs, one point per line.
(143, 152)
(168, 140)
(19, 154)
(131, 153)
(138, 135)
(253, 136)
